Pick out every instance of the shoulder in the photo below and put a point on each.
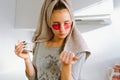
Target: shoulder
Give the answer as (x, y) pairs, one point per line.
(37, 45)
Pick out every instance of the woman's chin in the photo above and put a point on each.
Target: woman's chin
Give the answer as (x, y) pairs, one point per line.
(62, 37)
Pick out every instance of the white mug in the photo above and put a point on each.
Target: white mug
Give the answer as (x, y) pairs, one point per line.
(28, 46)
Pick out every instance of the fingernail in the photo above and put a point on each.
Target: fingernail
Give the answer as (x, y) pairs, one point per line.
(25, 43)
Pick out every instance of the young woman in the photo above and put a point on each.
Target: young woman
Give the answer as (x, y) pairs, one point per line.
(59, 50)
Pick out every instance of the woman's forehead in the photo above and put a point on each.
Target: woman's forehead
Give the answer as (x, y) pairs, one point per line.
(60, 15)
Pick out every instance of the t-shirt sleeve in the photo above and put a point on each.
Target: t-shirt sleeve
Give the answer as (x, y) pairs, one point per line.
(77, 66)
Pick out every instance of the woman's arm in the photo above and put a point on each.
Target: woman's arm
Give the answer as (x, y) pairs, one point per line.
(70, 71)
(67, 59)
(20, 52)
(66, 72)
(30, 71)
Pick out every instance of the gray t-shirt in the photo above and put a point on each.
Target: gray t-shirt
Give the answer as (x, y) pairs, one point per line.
(47, 64)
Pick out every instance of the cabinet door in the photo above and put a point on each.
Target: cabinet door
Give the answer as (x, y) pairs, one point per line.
(27, 13)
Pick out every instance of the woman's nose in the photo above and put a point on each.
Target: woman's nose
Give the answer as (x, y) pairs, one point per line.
(62, 28)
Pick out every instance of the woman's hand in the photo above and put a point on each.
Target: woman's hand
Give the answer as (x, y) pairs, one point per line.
(67, 57)
(20, 51)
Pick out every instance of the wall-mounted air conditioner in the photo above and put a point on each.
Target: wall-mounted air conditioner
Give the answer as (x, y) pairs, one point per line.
(94, 19)
(97, 13)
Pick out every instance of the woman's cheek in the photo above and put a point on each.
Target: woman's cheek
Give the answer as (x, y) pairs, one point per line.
(67, 26)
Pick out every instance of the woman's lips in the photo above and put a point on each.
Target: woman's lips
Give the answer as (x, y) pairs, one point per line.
(62, 34)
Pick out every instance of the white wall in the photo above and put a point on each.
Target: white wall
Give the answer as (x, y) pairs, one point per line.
(103, 42)
(11, 67)
(105, 46)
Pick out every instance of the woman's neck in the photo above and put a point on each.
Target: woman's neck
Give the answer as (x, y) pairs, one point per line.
(55, 42)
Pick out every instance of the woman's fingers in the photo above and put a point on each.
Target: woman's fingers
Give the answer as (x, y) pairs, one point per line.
(62, 56)
(19, 47)
(68, 57)
(20, 50)
(75, 58)
(71, 57)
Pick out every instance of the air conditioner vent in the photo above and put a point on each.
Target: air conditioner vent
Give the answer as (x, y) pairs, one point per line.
(93, 19)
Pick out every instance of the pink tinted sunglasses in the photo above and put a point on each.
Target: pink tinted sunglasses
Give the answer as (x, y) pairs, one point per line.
(57, 26)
